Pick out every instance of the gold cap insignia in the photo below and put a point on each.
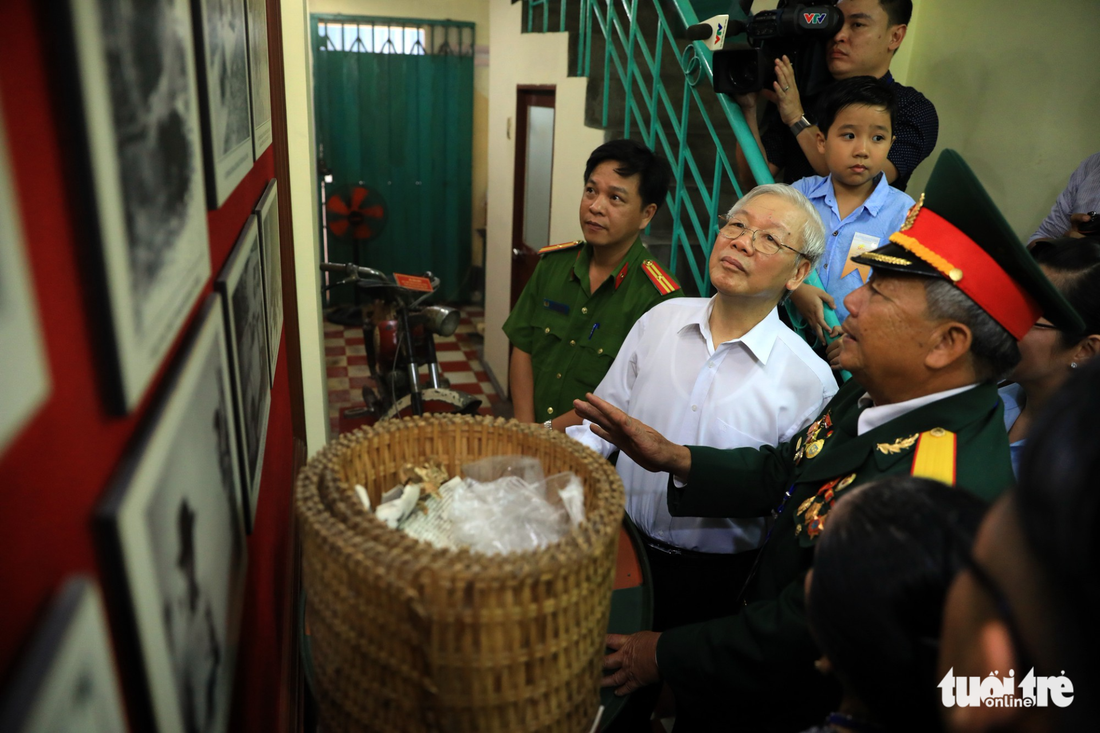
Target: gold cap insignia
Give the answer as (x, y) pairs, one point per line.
(912, 215)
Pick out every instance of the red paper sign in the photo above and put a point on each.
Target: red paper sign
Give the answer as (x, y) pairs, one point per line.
(413, 282)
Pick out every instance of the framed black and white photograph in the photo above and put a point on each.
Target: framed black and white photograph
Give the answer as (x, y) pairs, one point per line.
(260, 75)
(222, 37)
(268, 211)
(173, 527)
(136, 78)
(66, 682)
(26, 381)
(241, 284)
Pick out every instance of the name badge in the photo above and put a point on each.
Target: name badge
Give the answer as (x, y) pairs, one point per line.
(555, 306)
(860, 243)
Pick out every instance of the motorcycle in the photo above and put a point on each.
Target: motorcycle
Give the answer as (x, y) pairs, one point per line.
(398, 335)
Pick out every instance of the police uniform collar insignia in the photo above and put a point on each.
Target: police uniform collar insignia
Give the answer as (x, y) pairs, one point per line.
(622, 275)
(897, 446)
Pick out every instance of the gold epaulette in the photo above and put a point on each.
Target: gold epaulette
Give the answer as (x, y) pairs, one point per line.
(934, 457)
(559, 247)
(661, 280)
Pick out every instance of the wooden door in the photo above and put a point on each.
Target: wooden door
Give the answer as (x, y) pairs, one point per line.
(534, 137)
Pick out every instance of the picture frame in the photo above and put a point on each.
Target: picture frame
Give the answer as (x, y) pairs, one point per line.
(66, 682)
(221, 35)
(241, 284)
(267, 209)
(26, 383)
(259, 68)
(145, 178)
(172, 531)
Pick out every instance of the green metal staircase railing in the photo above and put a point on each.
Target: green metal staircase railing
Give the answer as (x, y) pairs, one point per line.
(681, 124)
(633, 61)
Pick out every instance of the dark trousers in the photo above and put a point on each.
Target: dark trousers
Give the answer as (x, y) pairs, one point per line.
(689, 587)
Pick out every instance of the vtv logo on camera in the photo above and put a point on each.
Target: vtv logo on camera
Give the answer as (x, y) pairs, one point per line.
(814, 18)
(1001, 692)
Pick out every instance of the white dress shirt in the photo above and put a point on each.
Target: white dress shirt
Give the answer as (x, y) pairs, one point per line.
(873, 416)
(760, 389)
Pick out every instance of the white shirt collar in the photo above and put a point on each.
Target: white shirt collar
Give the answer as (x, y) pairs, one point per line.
(759, 340)
(874, 416)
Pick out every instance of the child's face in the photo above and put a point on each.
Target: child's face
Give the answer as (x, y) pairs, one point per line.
(856, 147)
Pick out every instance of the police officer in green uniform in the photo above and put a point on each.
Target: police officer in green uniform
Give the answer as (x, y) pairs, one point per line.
(926, 340)
(584, 296)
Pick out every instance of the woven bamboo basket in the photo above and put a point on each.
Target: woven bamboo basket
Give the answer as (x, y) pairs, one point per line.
(409, 637)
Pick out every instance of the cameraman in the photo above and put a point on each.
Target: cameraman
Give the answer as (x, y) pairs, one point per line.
(864, 46)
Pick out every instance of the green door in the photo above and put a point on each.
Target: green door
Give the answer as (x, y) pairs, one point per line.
(394, 115)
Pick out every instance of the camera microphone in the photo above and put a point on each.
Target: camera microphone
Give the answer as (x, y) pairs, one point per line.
(712, 31)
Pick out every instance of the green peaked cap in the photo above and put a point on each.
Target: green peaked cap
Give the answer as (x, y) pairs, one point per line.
(955, 194)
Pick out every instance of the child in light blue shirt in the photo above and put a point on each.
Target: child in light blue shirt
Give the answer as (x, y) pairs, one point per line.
(859, 209)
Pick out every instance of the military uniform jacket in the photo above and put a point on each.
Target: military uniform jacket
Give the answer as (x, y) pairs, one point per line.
(758, 664)
(573, 335)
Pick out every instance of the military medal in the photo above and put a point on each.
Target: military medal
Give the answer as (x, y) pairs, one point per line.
(813, 529)
(814, 440)
(812, 512)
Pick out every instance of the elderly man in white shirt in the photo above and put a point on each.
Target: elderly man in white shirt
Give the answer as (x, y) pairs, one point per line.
(722, 372)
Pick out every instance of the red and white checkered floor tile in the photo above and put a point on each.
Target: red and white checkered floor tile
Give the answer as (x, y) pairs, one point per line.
(347, 370)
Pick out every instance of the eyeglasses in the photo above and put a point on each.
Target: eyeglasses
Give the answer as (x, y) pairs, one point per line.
(768, 245)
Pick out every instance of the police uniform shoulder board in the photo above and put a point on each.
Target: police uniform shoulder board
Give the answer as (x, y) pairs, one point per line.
(934, 457)
(661, 280)
(560, 247)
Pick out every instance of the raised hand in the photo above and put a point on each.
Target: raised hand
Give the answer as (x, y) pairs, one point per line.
(784, 92)
(648, 448)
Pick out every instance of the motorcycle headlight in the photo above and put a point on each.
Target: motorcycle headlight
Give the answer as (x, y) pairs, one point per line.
(440, 319)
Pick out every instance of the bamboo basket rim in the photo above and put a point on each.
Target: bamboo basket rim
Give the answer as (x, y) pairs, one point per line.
(364, 526)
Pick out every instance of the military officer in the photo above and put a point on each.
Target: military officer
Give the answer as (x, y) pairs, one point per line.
(928, 336)
(585, 296)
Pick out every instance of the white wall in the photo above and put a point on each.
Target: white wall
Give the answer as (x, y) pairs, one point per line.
(1017, 89)
(531, 58)
(471, 11)
(297, 67)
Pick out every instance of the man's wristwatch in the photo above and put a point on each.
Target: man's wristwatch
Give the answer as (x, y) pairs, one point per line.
(548, 425)
(800, 124)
